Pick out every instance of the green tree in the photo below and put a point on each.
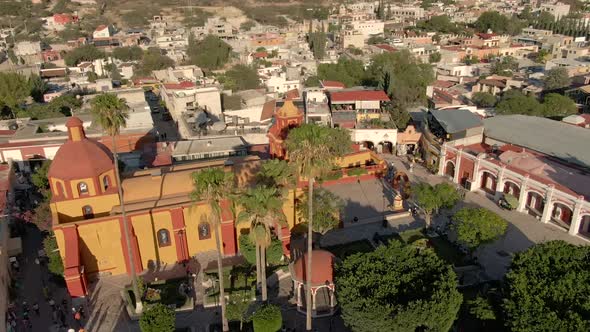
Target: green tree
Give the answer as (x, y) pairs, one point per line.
(70, 32)
(477, 226)
(397, 288)
(434, 57)
(39, 177)
(92, 77)
(241, 77)
(278, 174)
(317, 44)
(209, 53)
(545, 18)
(312, 81)
(433, 198)
(375, 39)
(514, 102)
(556, 78)
(274, 252)
(402, 76)
(505, 67)
(542, 56)
(55, 264)
(498, 23)
(546, 289)
(238, 306)
(153, 59)
(482, 309)
(440, 24)
(348, 72)
(262, 211)
(61, 6)
(38, 87)
(267, 318)
(326, 214)
(112, 112)
(14, 90)
(83, 53)
(115, 74)
(157, 318)
(128, 53)
(556, 105)
(484, 99)
(213, 185)
(470, 60)
(314, 150)
(42, 218)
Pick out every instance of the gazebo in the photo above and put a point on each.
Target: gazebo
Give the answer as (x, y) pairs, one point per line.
(322, 283)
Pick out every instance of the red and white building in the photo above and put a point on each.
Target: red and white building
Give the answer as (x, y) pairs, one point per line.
(549, 174)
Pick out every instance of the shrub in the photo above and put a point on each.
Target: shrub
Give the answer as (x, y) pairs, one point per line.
(157, 318)
(267, 319)
(356, 172)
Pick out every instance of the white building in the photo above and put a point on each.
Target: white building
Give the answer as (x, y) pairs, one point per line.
(103, 31)
(280, 84)
(558, 10)
(25, 48)
(369, 27)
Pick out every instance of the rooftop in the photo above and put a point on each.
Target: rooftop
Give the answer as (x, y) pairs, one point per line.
(210, 145)
(454, 121)
(543, 135)
(358, 95)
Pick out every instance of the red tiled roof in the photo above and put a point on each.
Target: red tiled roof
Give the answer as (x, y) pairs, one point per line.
(364, 95)
(332, 84)
(101, 27)
(322, 266)
(179, 86)
(443, 84)
(259, 55)
(292, 94)
(64, 18)
(386, 47)
(7, 132)
(268, 110)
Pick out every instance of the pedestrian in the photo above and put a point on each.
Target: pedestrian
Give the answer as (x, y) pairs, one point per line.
(77, 317)
(52, 304)
(36, 308)
(81, 311)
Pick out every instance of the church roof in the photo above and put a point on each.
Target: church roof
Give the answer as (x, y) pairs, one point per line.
(288, 110)
(322, 268)
(79, 159)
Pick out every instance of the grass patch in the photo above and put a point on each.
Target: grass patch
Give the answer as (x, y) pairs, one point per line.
(412, 235)
(169, 293)
(343, 250)
(237, 281)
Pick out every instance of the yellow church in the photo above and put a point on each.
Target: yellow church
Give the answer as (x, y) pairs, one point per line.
(165, 225)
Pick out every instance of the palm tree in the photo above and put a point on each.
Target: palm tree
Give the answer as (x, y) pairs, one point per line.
(213, 185)
(111, 112)
(262, 209)
(314, 150)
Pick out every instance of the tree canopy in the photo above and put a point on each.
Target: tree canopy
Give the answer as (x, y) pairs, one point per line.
(128, 53)
(274, 252)
(441, 23)
(208, 53)
(433, 198)
(547, 289)
(240, 77)
(402, 76)
(498, 23)
(556, 105)
(157, 318)
(349, 72)
(14, 89)
(556, 78)
(327, 207)
(515, 102)
(397, 288)
(83, 53)
(484, 99)
(477, 226)
(317, 44)
(505, 66)
(153, 59)
(267, 318)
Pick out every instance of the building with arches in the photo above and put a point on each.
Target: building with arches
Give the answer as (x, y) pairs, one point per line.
(549, 175)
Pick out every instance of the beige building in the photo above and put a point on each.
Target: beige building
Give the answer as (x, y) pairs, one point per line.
(351, 38)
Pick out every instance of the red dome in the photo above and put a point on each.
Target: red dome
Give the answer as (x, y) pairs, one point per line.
(80, 159)
(322, 263)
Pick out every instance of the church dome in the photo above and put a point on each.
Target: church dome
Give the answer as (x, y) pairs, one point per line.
(80, 157)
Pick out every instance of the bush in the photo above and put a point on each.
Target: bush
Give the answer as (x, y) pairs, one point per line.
(267, 319)
(157, 318)
(274, 252)
(55, 264)
(335, 175)
(356, 172)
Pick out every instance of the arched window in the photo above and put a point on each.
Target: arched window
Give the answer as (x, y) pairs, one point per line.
(204, 231)
(59, 188)
(163, 238)
(87, 212)
(82, 188)
(106, 182)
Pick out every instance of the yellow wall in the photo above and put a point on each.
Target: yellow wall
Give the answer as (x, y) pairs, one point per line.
(146, 232)
(100, 247)
(72, 210)
(59, 238)
(88, 181)
(354, 159)
(111, 175)
(192, 217)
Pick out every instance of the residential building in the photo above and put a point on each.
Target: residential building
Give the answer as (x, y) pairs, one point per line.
(209, 148)
(351, 38)
(58, 22)
(352, 108)
(558, 10)
(280, 84)
(103, 31)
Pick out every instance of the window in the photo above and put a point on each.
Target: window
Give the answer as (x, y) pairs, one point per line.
(204, 231)
(163, 238)
(87, 212)
(82, 188)
(105, 182)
